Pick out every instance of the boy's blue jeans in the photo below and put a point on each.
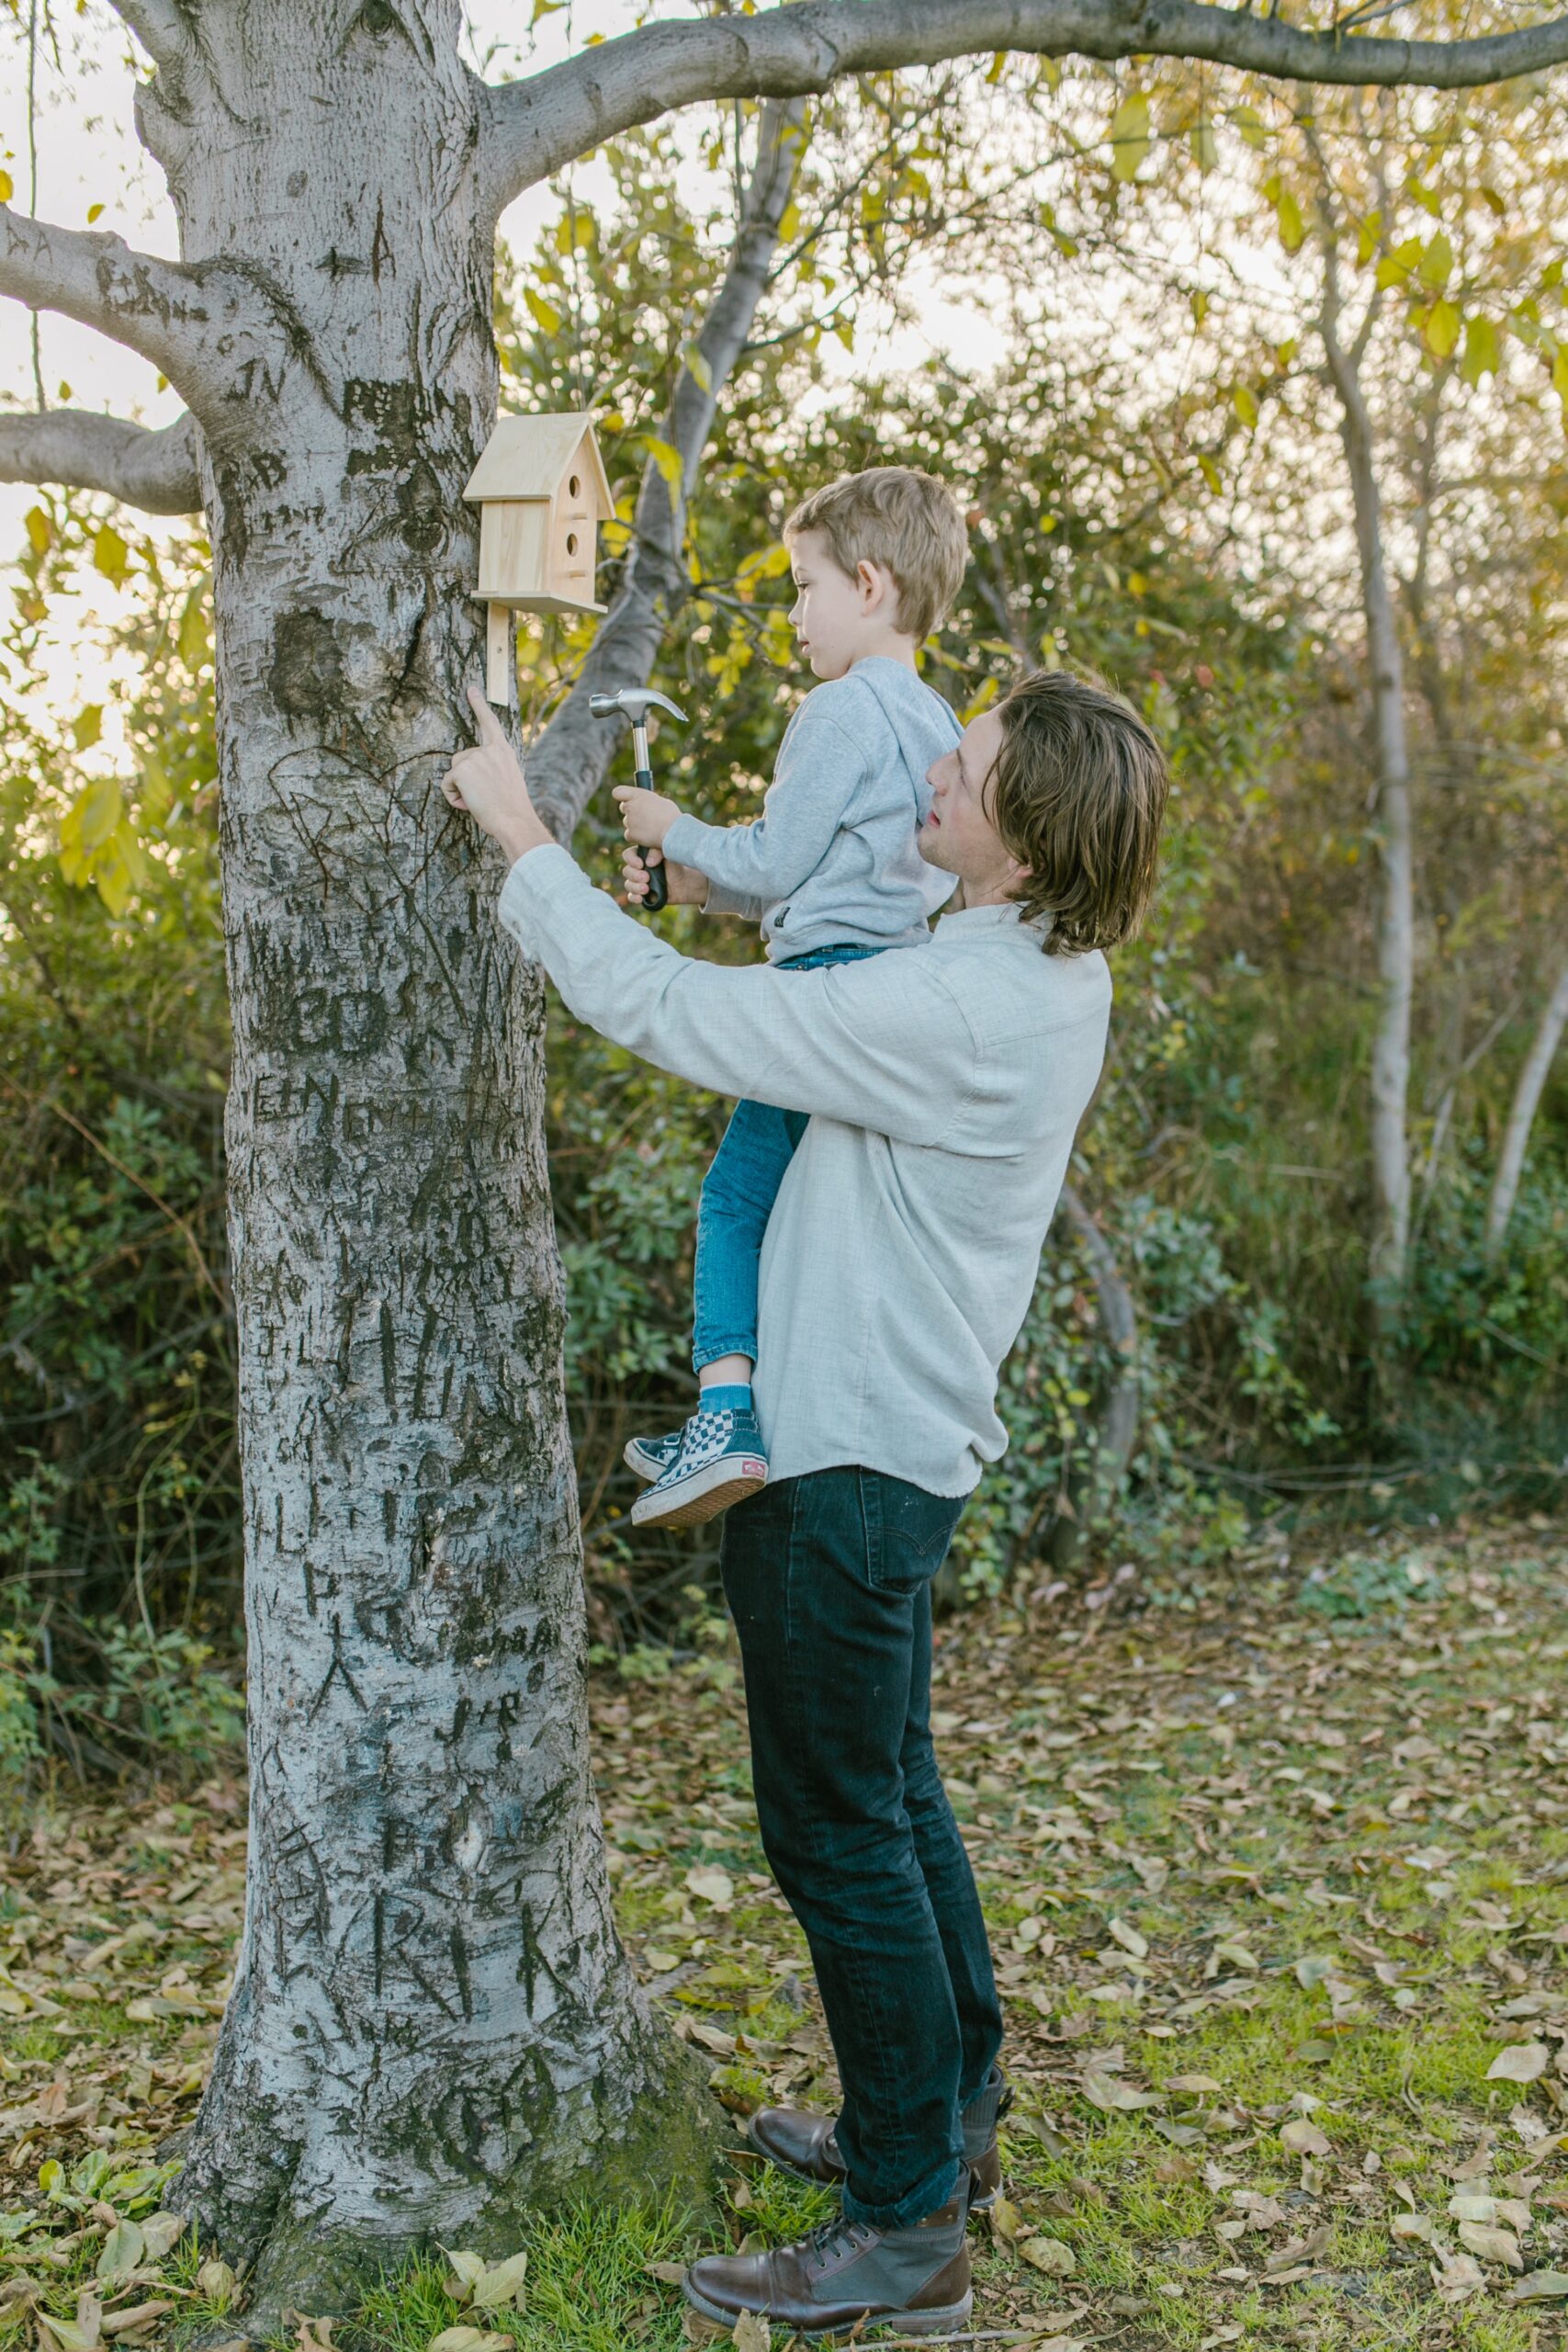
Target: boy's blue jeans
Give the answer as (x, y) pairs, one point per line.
(736, 1203)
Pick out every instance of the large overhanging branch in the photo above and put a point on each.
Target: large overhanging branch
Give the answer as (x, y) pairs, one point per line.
(154, 471)
(538, 125)
(569, 760)
(197, 323)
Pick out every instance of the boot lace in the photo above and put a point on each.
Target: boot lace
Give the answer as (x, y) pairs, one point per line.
(832, 2237)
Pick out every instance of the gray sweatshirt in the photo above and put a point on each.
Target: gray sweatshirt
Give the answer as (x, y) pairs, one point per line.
(833, 858)
(943, 1090)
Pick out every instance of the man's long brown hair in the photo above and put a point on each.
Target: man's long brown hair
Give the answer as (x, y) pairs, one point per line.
(1077, 795)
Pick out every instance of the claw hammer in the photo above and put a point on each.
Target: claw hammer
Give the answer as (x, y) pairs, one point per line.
(634, 702)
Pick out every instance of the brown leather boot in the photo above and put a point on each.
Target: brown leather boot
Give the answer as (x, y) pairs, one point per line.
(846, 2274)
(807, 2145)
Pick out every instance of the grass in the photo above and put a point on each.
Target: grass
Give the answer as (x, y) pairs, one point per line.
(1273, 1880)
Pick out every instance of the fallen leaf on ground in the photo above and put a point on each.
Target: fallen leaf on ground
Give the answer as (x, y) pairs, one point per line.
(1521, 2061)
(1049, 2255)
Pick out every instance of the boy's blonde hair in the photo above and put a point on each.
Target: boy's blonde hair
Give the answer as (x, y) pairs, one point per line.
(903, 519)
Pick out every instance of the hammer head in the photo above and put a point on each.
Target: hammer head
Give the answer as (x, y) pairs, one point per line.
(633, 703)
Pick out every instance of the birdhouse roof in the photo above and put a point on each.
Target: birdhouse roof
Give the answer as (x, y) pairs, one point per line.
(527, 457)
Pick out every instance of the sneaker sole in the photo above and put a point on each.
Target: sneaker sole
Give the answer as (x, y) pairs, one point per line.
(940, 2319)
(703, 1495)
(642, 1465)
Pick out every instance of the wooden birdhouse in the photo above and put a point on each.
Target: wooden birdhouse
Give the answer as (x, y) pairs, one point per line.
(542, 493)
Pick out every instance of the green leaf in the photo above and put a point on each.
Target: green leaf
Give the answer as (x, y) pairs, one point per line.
(1293, 228)
(1366, 243)
(194, 643)
(1396, 266)
(110, 554)
(87, 726)
(121, 2251)
(1560, 375)
(1245, 406)
(544, 315)
(1211, 474)
(1483, 350)
(1436, 262)
(1130, 135)
(1440, 328)
(1205, 149)
(1247, 121)
(697, 367)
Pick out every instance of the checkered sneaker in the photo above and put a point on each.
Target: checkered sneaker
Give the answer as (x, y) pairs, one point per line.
(720, 1460)
(649, 1457)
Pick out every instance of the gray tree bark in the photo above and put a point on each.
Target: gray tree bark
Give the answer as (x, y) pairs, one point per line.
(433, 2026)
(1528, 1091)
(1395, 922)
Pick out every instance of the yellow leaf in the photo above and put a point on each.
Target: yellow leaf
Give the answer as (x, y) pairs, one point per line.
(1130, 135)
(110, 554)
(544, 315)
(1482, 350)
(1211, 474)
(994, 73)
(789, 224)
(7, 187)
(1245, 406)
(666, 458)
(94, 212)
(1049, 2255)
(1560, 375)
(40, 530)
(1205, 149)
(1246, 122)
(1441, 328)
(697, 367)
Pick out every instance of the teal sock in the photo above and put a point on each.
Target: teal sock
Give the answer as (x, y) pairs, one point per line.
(733, 1397)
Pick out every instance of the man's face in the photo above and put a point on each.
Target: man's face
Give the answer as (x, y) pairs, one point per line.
(836, 616)
(958, 836)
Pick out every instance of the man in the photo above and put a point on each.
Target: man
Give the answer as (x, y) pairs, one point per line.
(944, 1084)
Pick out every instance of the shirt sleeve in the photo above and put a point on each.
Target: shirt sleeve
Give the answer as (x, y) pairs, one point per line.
(820, 770)
(882, 1043)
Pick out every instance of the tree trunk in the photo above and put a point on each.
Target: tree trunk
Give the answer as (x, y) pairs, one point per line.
(1521, 1112)
(1395, 922)
(432, 2023)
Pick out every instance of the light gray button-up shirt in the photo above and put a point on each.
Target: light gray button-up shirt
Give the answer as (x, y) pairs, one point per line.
(944, 1083)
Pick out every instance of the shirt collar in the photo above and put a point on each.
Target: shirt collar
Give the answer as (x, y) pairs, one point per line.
(992, 918)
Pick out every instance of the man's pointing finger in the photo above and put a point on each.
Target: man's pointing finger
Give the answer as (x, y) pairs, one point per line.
(490, 729)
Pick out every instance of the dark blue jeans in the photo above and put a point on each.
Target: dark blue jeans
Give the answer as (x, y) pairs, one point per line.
(736, 1203)
(828, 1579)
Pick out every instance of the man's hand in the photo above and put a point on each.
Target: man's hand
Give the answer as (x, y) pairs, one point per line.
(687, 886)
(488, 782)
(646, 817)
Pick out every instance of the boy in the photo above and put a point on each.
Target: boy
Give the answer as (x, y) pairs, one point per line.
(832, 869)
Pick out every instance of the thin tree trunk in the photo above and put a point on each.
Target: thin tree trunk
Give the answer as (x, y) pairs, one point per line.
(432, 2023)
(567, 763)
(1521, 1112)
(1395, 922)
(1116, 1427)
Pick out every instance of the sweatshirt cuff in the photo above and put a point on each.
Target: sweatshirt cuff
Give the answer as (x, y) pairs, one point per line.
(538, 881)
(684, 841)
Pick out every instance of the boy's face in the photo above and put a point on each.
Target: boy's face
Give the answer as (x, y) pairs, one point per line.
(838, 617)
(958, 836)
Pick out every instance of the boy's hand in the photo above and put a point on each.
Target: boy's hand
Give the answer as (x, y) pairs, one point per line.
(687, 886)
(646, 817)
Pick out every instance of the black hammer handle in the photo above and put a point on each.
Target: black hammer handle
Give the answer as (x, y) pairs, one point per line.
(658, 879)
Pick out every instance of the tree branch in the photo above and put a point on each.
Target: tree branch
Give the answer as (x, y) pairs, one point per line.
(173, 314)
(160, 28)
(156, 471)
(537, 126)
(569, 760)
